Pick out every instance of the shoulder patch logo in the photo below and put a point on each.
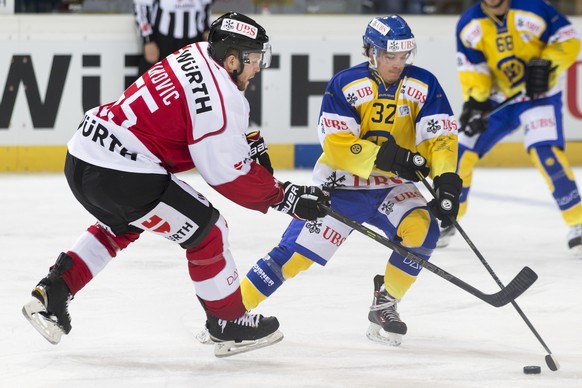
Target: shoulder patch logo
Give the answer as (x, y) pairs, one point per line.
(352, 99)
(433, 126)
(356, 149)
(359, 92)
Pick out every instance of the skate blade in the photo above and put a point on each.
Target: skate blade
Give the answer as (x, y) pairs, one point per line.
(377, 334)
(43, 324)
(203, 336)
(230, 348)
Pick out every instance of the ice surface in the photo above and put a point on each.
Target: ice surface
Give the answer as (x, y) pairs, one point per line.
(134, 324)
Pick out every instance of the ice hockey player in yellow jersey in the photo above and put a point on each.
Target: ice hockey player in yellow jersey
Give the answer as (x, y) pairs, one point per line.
(505, 47)
(376, 118)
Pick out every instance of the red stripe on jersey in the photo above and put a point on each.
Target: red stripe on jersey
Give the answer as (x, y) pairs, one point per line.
(256, 190)
(191, 138)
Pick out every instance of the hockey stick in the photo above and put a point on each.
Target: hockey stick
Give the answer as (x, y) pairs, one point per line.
(502, 104)
(524, 279)
(550, 359)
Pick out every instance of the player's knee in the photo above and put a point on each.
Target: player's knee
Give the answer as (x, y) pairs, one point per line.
(418, 229)
(211, 258)
(110, 241)
(210, 250)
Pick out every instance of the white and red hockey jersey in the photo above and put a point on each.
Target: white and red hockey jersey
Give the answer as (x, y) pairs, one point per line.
(185, 112)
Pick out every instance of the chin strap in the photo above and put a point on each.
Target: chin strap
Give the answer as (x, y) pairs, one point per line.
(234, 76)
(235, 73)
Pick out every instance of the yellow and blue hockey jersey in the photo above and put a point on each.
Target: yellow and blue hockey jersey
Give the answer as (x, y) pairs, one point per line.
(492, 53)
(359, 112)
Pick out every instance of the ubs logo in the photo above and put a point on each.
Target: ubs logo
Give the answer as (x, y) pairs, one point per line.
(416, 94)
(365, 91)
(333, 123)
(333, 236)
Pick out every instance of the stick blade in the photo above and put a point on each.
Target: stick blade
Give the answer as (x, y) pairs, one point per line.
(552, 362)
(524, 279)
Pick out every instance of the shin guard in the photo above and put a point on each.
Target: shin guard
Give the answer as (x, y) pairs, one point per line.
(214, 273)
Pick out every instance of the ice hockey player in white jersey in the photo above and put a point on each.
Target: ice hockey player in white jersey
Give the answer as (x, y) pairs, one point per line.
(187, 111)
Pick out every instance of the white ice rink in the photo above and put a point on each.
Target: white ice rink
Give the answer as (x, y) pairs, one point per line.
(134, 325)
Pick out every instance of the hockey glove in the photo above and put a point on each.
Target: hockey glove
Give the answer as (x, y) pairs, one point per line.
(259, 150)
(445, 205)
(399, 160)
(537, 76)
(472, 121)
(302, 201)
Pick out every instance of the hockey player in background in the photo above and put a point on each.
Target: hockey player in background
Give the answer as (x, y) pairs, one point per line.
(504, 47)
(376, 119)
(187, 111)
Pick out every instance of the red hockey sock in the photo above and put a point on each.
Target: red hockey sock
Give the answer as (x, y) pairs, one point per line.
(79, 274)
(215, 276)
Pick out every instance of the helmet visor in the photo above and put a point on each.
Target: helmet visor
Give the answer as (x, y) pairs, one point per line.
(261, 58)
(405, 57)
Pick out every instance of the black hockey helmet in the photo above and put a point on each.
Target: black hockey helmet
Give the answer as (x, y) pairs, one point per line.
(234, 30)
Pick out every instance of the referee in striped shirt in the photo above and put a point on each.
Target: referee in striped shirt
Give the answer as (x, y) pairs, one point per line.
(168, 25)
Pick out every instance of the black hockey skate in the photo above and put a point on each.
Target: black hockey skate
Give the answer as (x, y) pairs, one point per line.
(48, 310)
(249, 332)
(385, 324)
